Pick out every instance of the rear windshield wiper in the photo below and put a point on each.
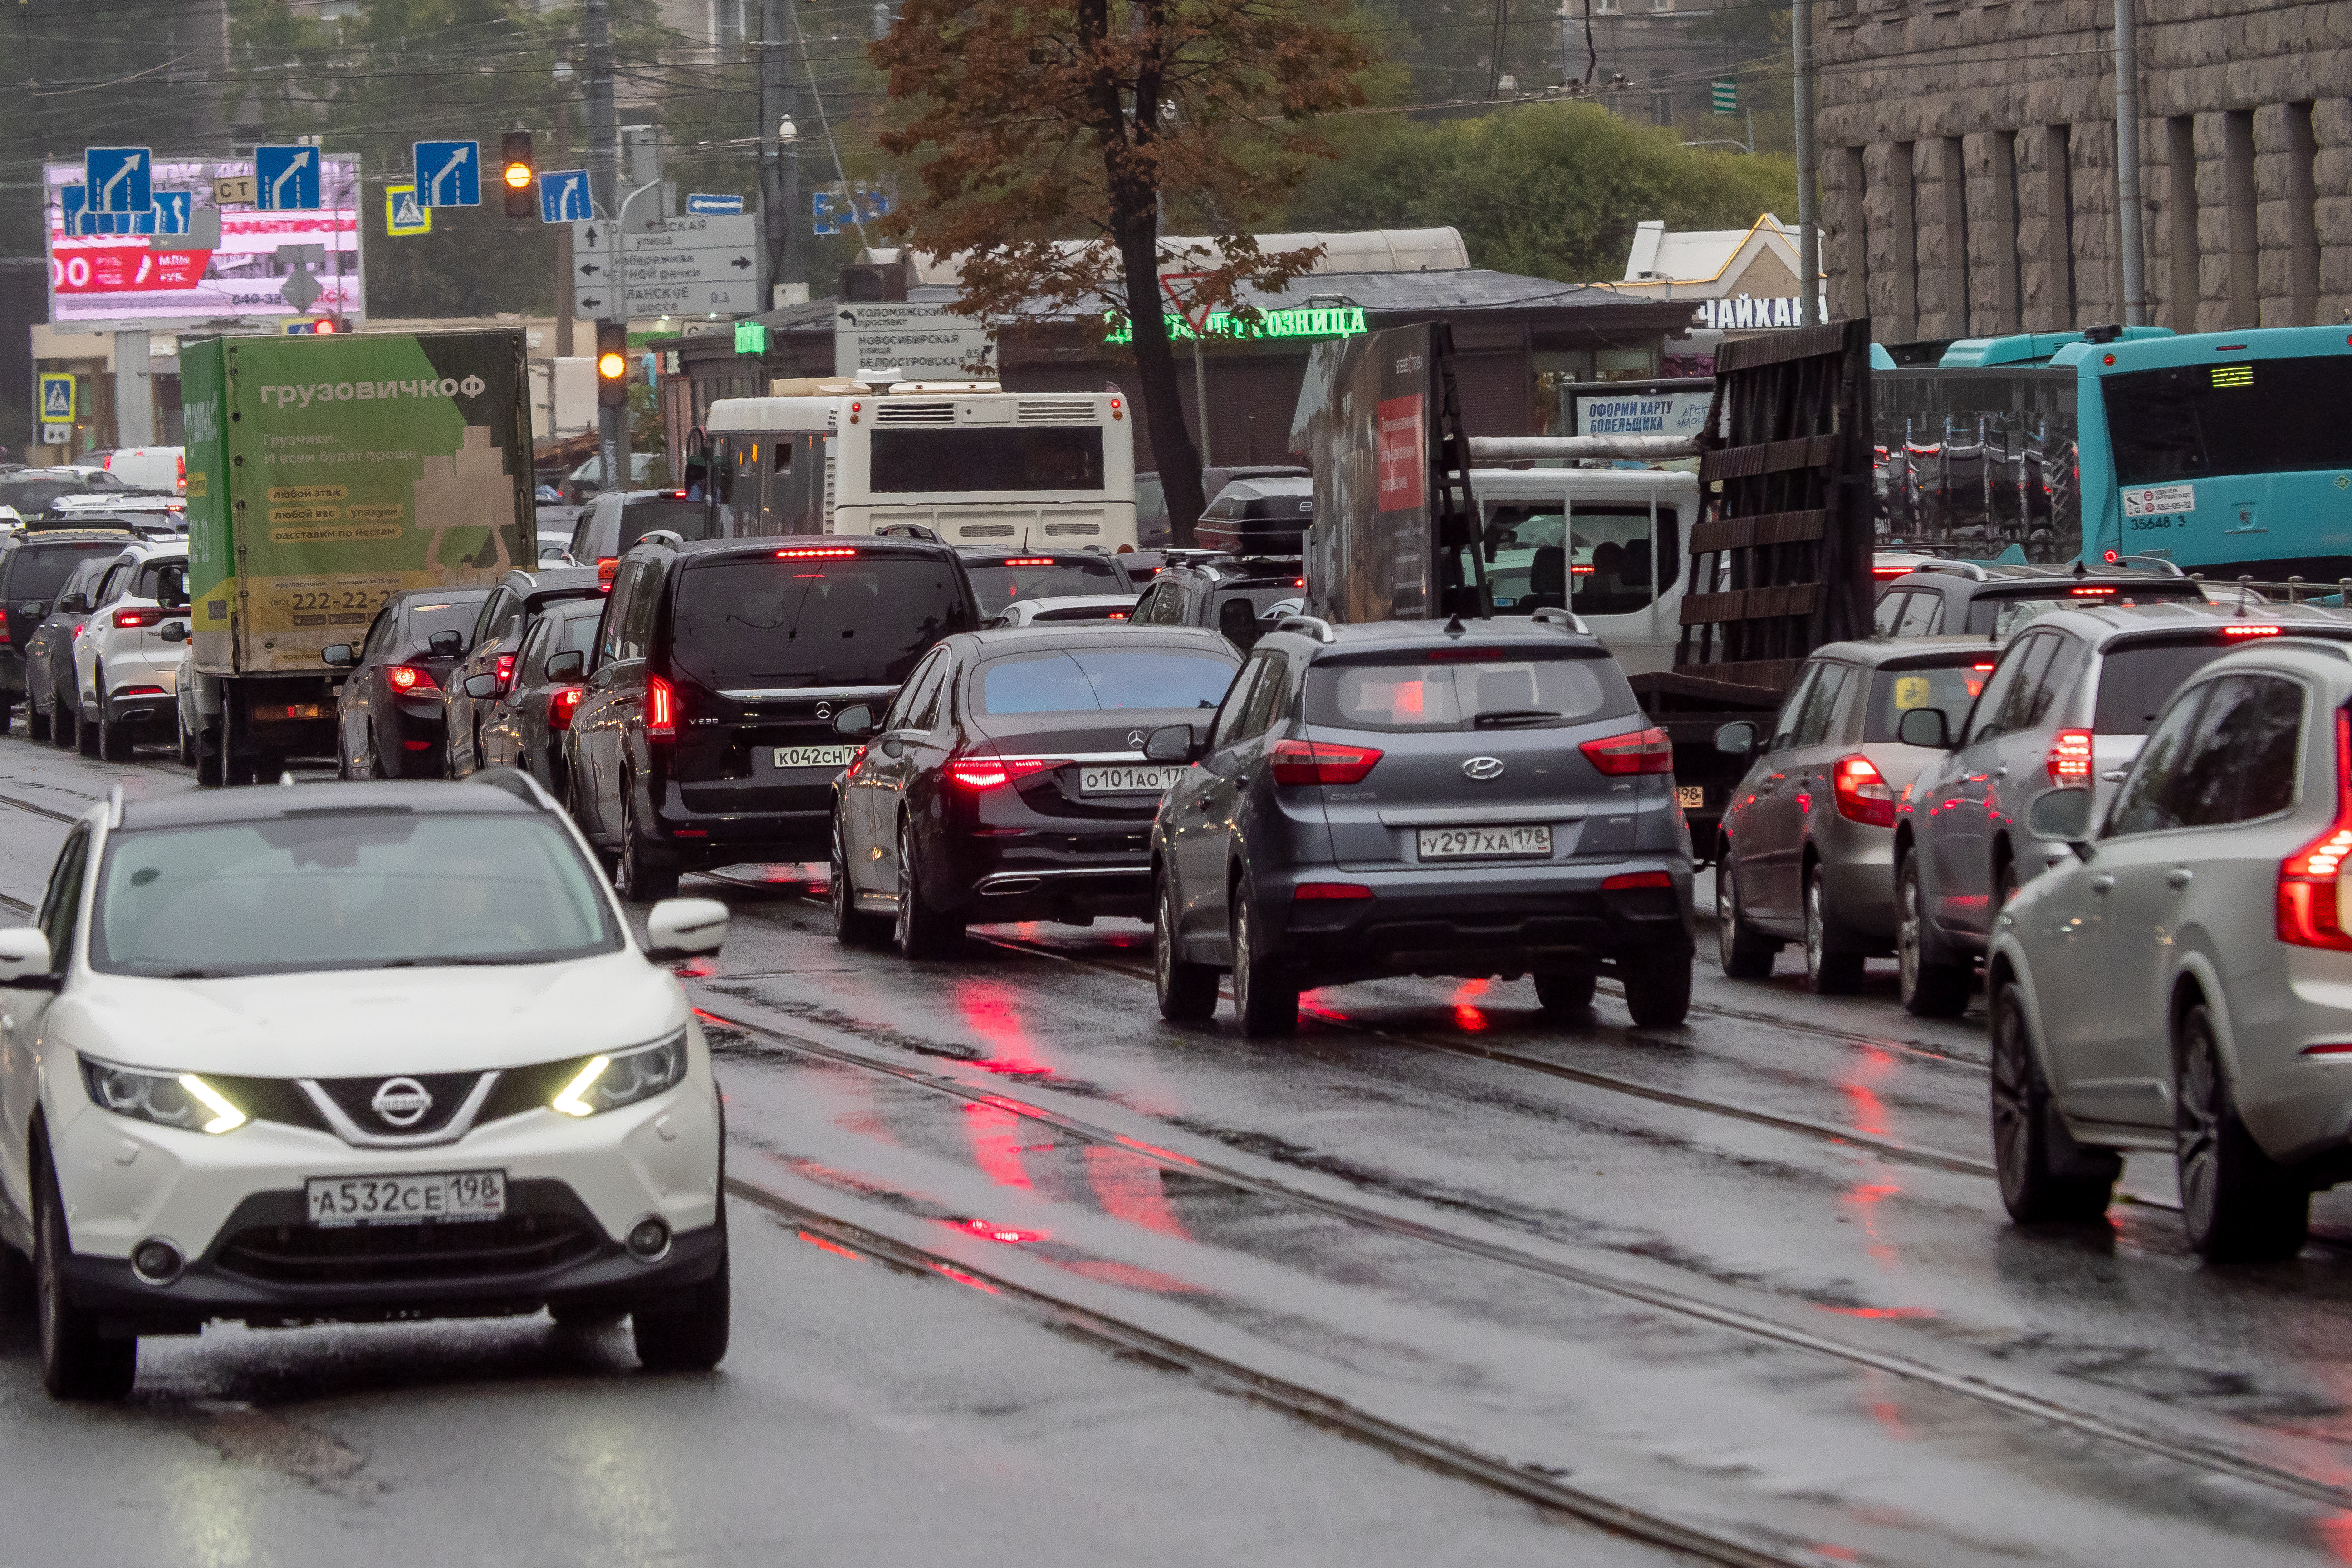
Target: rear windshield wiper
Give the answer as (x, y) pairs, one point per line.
(1512, 718)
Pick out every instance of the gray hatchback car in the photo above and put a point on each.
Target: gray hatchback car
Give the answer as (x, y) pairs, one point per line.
(1471, 799)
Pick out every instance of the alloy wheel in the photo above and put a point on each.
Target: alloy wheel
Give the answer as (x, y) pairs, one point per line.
(1907, 928)
(1726, 912)
(2198, 1126)
(2012, 1097)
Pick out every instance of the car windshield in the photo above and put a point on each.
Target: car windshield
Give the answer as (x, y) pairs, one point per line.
(800, 622)
(383, 889)
(1466, 689)
(1991, 614)
(2136, 680)
(1952, 688)
(996, 584)
(2207, 421)
(42, 569)
(430, 619)
(1086, 679)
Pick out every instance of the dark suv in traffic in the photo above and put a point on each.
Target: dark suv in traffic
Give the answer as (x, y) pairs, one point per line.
(707, 735)
(1474, 799)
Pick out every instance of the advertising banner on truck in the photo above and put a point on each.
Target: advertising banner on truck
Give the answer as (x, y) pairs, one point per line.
(326, 474)
(1365, 419)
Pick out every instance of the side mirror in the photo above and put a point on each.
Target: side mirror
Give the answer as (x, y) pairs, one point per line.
(681, 927)
(481, 686)
(73, 605)
(2063, 814)
(24, 960)
(1736, 739)
(444, 644)
(1925, 727)
(342, 654)
(1174, 743)
(854, 721)
(570, 665)
(174, 631)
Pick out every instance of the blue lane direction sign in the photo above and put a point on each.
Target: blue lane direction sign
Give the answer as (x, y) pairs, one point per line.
(449, 174)
(713, 207)
(119, 178)
(79, 220)
(286, 179)
(563, 196)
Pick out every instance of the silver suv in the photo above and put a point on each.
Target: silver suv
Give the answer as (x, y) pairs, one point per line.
(2068, 705)
(1475, 799)
(2183, 980)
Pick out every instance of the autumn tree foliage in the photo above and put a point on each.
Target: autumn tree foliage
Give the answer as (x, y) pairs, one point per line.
(1054, 134)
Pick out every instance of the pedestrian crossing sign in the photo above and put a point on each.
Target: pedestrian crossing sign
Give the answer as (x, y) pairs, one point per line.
(56, 399)
(403, 212)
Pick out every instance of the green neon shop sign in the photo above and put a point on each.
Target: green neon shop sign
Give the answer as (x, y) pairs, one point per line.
(1320, 321)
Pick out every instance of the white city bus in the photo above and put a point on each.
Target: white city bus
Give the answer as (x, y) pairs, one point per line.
(1000, 470)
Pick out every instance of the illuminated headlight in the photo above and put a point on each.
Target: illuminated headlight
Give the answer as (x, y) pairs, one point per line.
(167, 1099)
(624, 1077)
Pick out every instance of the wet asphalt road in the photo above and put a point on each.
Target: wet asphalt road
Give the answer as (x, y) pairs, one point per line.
(1008, 1246)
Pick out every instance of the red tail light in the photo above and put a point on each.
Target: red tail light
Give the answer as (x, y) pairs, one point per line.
(562, 704)
(505, 670)
(6, 636)
(1862, 794)
(1308, 892)
(2091, 592)
(1889, 571)
(1625, 880)
(661, 709)
(1022, 560)
(407, 677)
(132, 620)
(1322, 763)
(827, 554)
(183, 470)
(2308, 913)
(2070, 757)
(988, 772)
(1635, 751)
(2256, 630)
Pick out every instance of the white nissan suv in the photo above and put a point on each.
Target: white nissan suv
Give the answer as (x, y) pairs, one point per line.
(352, 1052)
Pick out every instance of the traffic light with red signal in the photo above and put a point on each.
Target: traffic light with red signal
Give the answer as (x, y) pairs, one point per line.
(612, 364)
(519, 175)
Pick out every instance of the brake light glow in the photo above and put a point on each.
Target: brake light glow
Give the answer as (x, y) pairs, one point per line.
(2070, 757)
(2091, 592)
(2254, 630)
(132, 620)
(2112, 557)
(988, 772)
(1626, 880)
(678, 495)
(1635, 751)
(1862, 793)
(1029, 560)
(562, 704)
(806, 555)
(2308, 911)
(1981, 669)
(1889, 571)
(1311, 892)
(1322, 763)
(5, 636)
(1115, 409)
(661, 709)
(854, 408)
(408, 677)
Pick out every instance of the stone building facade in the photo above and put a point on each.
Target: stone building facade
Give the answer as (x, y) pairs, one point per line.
(1969, 163)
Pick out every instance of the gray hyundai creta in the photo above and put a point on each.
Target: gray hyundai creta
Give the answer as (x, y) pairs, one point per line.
(1474, 799)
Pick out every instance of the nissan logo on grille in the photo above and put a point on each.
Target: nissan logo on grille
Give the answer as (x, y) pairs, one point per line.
(1484, 768)
(402, 1101)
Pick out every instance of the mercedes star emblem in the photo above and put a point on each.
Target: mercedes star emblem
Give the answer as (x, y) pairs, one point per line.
(402, 1101)
(824, 710)
(1135, 738)
(1484, 768)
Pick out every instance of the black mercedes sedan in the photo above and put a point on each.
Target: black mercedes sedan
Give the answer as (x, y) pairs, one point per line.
(1007, 781)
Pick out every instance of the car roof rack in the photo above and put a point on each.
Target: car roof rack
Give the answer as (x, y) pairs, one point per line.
(1315, 627)
(2164, 566)
(1968, 569)
(1553, 616)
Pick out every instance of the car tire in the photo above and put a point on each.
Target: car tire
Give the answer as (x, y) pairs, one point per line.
(1932, 987)
(1657, 988)
(88, 736)
(689, 1332)
(113, 739)
(921, 930)
(64, 721)
(1266, 993)
(76, 1361)
(2238, 1204)
(1828, 972)
(1561, 992)
(1746, 952)
(36, 720)
(188, 740)
(850, 927)
(2044, 1179)
(1188, 990)
(642, 877)
(208, 759)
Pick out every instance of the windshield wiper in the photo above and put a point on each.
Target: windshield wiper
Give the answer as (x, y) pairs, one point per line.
(197, 974)
(439, 963)
(1511, 717)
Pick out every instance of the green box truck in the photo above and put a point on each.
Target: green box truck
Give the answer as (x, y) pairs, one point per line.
(324, 476)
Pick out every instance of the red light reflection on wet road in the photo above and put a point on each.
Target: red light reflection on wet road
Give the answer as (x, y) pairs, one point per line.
(1869, 1064)
(1467, 1014)
(990, 1011)
(995, 1135)
(1127, 1187)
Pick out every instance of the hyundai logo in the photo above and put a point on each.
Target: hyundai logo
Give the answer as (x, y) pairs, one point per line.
(1484, 768)
(402, 1101)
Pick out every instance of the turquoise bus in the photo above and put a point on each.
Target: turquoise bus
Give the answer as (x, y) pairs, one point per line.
(2227, 453)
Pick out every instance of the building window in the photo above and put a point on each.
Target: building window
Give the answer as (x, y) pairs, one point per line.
(2302, 215)
(2180, 227)
(727, 23)
(2245, 244)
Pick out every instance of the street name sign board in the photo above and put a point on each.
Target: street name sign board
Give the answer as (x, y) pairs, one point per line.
(921, 342)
